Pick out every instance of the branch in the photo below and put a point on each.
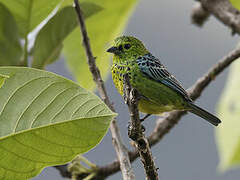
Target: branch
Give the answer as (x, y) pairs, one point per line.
(165, 124)
(121, 151)
(223, 11)
(135, 131)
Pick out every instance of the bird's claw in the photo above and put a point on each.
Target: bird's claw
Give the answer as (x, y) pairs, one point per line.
(125, 98)
(145, 117)
(143, 128)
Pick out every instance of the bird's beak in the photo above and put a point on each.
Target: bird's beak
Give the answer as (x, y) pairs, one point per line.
(113, 50)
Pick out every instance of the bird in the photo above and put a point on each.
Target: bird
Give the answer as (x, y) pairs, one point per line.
(159, 90)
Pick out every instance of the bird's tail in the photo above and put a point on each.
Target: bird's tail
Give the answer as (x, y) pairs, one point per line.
(204, 114)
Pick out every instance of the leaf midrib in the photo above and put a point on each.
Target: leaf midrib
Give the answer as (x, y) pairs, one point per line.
(56, 123)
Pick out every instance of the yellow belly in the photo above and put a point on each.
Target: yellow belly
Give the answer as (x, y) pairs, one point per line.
(149, 107)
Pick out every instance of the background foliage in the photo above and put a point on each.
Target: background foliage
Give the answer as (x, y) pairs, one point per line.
(228, 135)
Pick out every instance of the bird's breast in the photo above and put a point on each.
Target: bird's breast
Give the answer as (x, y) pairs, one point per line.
(118, 71)
(150, 107)
(117, 76)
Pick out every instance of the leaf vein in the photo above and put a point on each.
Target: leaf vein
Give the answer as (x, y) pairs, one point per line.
(93, 108)
(17, 123)
(64, 90)
(71, 99)
(38, 150)
(63, 145)
(19, 89)
(81, 105)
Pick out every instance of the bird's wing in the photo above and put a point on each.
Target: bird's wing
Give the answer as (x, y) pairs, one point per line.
(153, 69)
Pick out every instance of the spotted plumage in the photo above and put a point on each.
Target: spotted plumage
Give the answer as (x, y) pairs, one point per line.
(160, 90)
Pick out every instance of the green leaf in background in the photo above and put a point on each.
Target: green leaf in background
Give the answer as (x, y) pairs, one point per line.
(10, 48)
(48, 44)
(45, 120)
(30, 13)
(236, 4)
(102, 28)
(228, 133)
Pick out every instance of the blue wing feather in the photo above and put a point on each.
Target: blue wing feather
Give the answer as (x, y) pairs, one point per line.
(153, 69)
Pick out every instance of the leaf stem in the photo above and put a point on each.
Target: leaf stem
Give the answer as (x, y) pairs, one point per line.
(25, 51)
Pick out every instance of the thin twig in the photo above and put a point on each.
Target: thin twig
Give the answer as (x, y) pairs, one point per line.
(135, 131)
(121, 150)
(164, 125)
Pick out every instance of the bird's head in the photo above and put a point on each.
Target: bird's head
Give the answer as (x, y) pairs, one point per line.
(127, 48)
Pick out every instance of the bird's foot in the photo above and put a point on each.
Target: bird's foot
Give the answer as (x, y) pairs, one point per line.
(134, 96)
(125, 98)
(143, 128)
(133, 132)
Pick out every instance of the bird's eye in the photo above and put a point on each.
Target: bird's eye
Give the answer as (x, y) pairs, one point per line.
(127, 46)
(120, 48)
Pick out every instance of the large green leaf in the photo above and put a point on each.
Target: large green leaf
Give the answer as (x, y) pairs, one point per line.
(228, 133)
(102, 28)
(49, 40)
(236, 4)
(30, 13)
(45, 120)
(10, 48)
